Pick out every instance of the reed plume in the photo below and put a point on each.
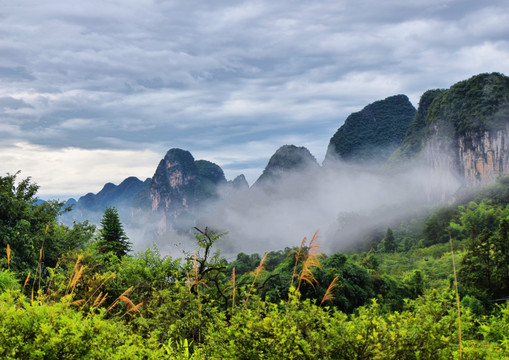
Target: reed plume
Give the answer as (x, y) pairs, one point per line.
(232, 282)
(311, 261)
(256, 273)
(123, 295)
(26, 281)
(328, 294)
(298, 254)
(73, 278)
(8, 256)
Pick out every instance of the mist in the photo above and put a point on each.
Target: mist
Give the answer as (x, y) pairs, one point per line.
(344, 202)
(281, 213)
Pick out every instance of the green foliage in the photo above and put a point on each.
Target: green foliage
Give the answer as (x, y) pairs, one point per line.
(147, 272)
(56, 331)
(112, 236)
(474, 105)
(375, 132)
(245, 263)
(27, 227)
(8, 281)
(426, 329)
(496, 329)
(415, 136)
(292, 303)
(436, 228)
(388, 243)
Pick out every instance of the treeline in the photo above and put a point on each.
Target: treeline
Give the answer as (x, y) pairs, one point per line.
(75, 292)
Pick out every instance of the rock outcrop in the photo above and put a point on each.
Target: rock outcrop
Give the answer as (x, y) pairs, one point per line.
(484, 157)
(461, 133)
(180, 183)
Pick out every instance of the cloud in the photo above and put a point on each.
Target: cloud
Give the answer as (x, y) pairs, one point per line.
(73, 172)
(224, 75)
(18, 73)
(8, 102)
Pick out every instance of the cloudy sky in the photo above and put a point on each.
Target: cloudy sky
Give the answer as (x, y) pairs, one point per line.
(95, 91)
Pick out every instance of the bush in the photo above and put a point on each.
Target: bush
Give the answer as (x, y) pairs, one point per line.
(56, 331)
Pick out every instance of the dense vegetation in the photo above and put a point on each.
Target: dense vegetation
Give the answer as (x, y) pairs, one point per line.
(63, 296)
(415, 136)
(478, 104)
(373, 133)
(468, 108)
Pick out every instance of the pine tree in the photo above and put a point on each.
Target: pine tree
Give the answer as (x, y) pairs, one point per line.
(389, 242)
(112, 235)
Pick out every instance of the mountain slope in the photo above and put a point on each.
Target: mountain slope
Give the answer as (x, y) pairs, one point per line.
(373, 133)
(464, 129)
(287, 159)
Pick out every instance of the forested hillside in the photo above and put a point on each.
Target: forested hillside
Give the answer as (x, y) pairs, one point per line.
(63, 294)
(372, 134)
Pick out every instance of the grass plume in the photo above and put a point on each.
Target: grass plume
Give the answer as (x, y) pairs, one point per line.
(311, 260)
(298, 254)
(26, 281)
(328, 294)
(8, 256)
(73, 278)
(232, 282)
(256, 273)
(123, 295)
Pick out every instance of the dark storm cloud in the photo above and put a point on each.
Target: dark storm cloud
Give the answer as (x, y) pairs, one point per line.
(226, 78)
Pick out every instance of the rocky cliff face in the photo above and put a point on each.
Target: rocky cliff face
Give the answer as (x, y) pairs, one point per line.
(484, 157)
(462, 133)
(180, 183)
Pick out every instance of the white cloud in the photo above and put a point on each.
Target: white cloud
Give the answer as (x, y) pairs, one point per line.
(75, 172)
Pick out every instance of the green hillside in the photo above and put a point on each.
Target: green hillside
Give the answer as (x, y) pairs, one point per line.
(373, 133)
(469, 107)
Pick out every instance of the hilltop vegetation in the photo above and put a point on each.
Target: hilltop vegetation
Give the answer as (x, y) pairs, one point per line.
(467, 110)
(373, 133)
(63, 296)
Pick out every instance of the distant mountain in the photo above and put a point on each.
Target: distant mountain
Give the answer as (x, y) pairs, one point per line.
(287, 159)
(464, 129)
(182, 188)
(113, 195)
(372, 134)
(91, 206)
(181, 183)
(239, 183)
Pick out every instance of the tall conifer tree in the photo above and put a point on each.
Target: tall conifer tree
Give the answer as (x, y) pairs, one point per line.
(113, 238)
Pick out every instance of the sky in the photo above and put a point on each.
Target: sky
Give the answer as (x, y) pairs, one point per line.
(95, 91)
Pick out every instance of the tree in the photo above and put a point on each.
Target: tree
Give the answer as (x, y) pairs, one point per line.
(112, 236)
(31, 228)
(388, 242)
